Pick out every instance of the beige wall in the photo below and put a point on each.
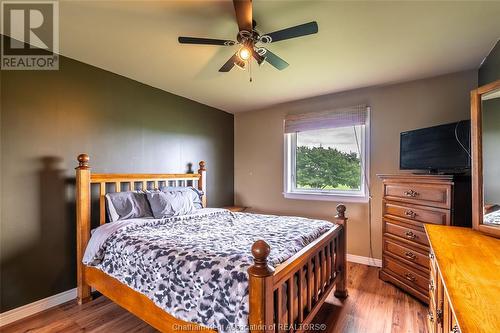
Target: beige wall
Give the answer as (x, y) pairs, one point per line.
(395, 108)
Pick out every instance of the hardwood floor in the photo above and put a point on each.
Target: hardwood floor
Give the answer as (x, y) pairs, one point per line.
(373, 306)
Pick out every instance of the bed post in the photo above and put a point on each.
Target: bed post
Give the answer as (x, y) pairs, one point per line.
(261, 290)
(202, 182)
(341, 262)
(82, 223)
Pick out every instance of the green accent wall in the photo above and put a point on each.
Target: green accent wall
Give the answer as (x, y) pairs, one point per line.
(47, 119)
(490, 68)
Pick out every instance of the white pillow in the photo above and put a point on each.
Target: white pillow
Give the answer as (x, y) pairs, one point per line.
(167, 204)
(127, 205)
(195, 194)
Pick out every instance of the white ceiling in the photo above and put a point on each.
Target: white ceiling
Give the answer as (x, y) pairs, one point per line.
(359, 44)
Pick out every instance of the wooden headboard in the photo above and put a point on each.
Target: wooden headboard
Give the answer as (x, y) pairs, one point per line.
(133, 181)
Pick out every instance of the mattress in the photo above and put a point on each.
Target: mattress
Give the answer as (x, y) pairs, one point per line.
(195, 266)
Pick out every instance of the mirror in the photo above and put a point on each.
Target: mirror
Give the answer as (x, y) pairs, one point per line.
(485, 135)
(490, 110)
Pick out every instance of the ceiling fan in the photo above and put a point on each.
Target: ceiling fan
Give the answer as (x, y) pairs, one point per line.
(248, 39)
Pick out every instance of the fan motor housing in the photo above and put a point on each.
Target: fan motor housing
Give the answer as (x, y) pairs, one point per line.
(243, 37)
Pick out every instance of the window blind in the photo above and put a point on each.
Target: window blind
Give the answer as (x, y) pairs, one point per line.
(342, 117)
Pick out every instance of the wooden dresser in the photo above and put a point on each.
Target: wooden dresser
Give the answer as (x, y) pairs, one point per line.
(464, 290)
(409, 202)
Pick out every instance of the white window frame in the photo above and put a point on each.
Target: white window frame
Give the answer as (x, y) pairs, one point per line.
(291, 192)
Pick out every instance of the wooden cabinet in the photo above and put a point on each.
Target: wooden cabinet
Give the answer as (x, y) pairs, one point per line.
(409, 202)
(464, 287)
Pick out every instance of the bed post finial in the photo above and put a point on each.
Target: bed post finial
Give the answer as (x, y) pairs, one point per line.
(202, 182)
(83, 161)
(340, 211)
(82, 224)
(260, 252)
(341, 262)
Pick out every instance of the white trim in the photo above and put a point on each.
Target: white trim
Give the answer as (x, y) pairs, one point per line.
(35, 307)
(361, 196)
(364, 260)
(326, 197)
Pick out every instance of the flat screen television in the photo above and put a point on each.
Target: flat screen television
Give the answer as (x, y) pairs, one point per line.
(444, 148)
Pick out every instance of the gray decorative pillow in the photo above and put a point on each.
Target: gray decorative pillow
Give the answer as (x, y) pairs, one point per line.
(127, 205)
(192, 192)
(167, 204)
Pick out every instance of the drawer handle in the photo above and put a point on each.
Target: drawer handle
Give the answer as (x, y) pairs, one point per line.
(411, 193)
(455, 329)
(410, 255)
(410, 214)
(439, 315)
(431, 285)
(410, 277)
(410, 235)
(431, 255)
(430, 315)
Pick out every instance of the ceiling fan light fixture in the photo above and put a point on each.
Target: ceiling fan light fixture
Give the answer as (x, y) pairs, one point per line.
(241, 64)
(244, 53)
(248, 38)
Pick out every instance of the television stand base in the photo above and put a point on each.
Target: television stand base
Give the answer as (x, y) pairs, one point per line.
(429, 172)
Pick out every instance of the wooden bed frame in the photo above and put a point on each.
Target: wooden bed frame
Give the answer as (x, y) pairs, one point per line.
(290, 294)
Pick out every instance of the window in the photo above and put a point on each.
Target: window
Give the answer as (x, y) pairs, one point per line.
(326, 155)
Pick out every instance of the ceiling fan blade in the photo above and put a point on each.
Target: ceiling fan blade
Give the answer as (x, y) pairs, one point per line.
(229, 64)
(244, 16)
(260, 59)
(205, 41)
(293, 32)
(276, 61)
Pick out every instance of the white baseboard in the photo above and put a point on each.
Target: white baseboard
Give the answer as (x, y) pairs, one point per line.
(364, 260)
(35, 307)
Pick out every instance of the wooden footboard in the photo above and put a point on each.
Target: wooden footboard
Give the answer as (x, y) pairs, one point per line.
(285, 299)
(288, 298)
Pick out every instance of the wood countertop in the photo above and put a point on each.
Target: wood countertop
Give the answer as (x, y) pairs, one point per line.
(469, 262)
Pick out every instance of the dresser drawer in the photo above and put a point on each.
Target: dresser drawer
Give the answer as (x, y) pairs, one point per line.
(435, 195)
(407, 253)
(388, 276)
(417, 213)
(411, 233)
(410, 276)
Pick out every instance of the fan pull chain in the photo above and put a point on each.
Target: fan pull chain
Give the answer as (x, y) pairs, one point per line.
(250, 68)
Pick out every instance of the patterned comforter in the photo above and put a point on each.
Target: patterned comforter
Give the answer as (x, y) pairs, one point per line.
(492, 218)
(195, 267)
